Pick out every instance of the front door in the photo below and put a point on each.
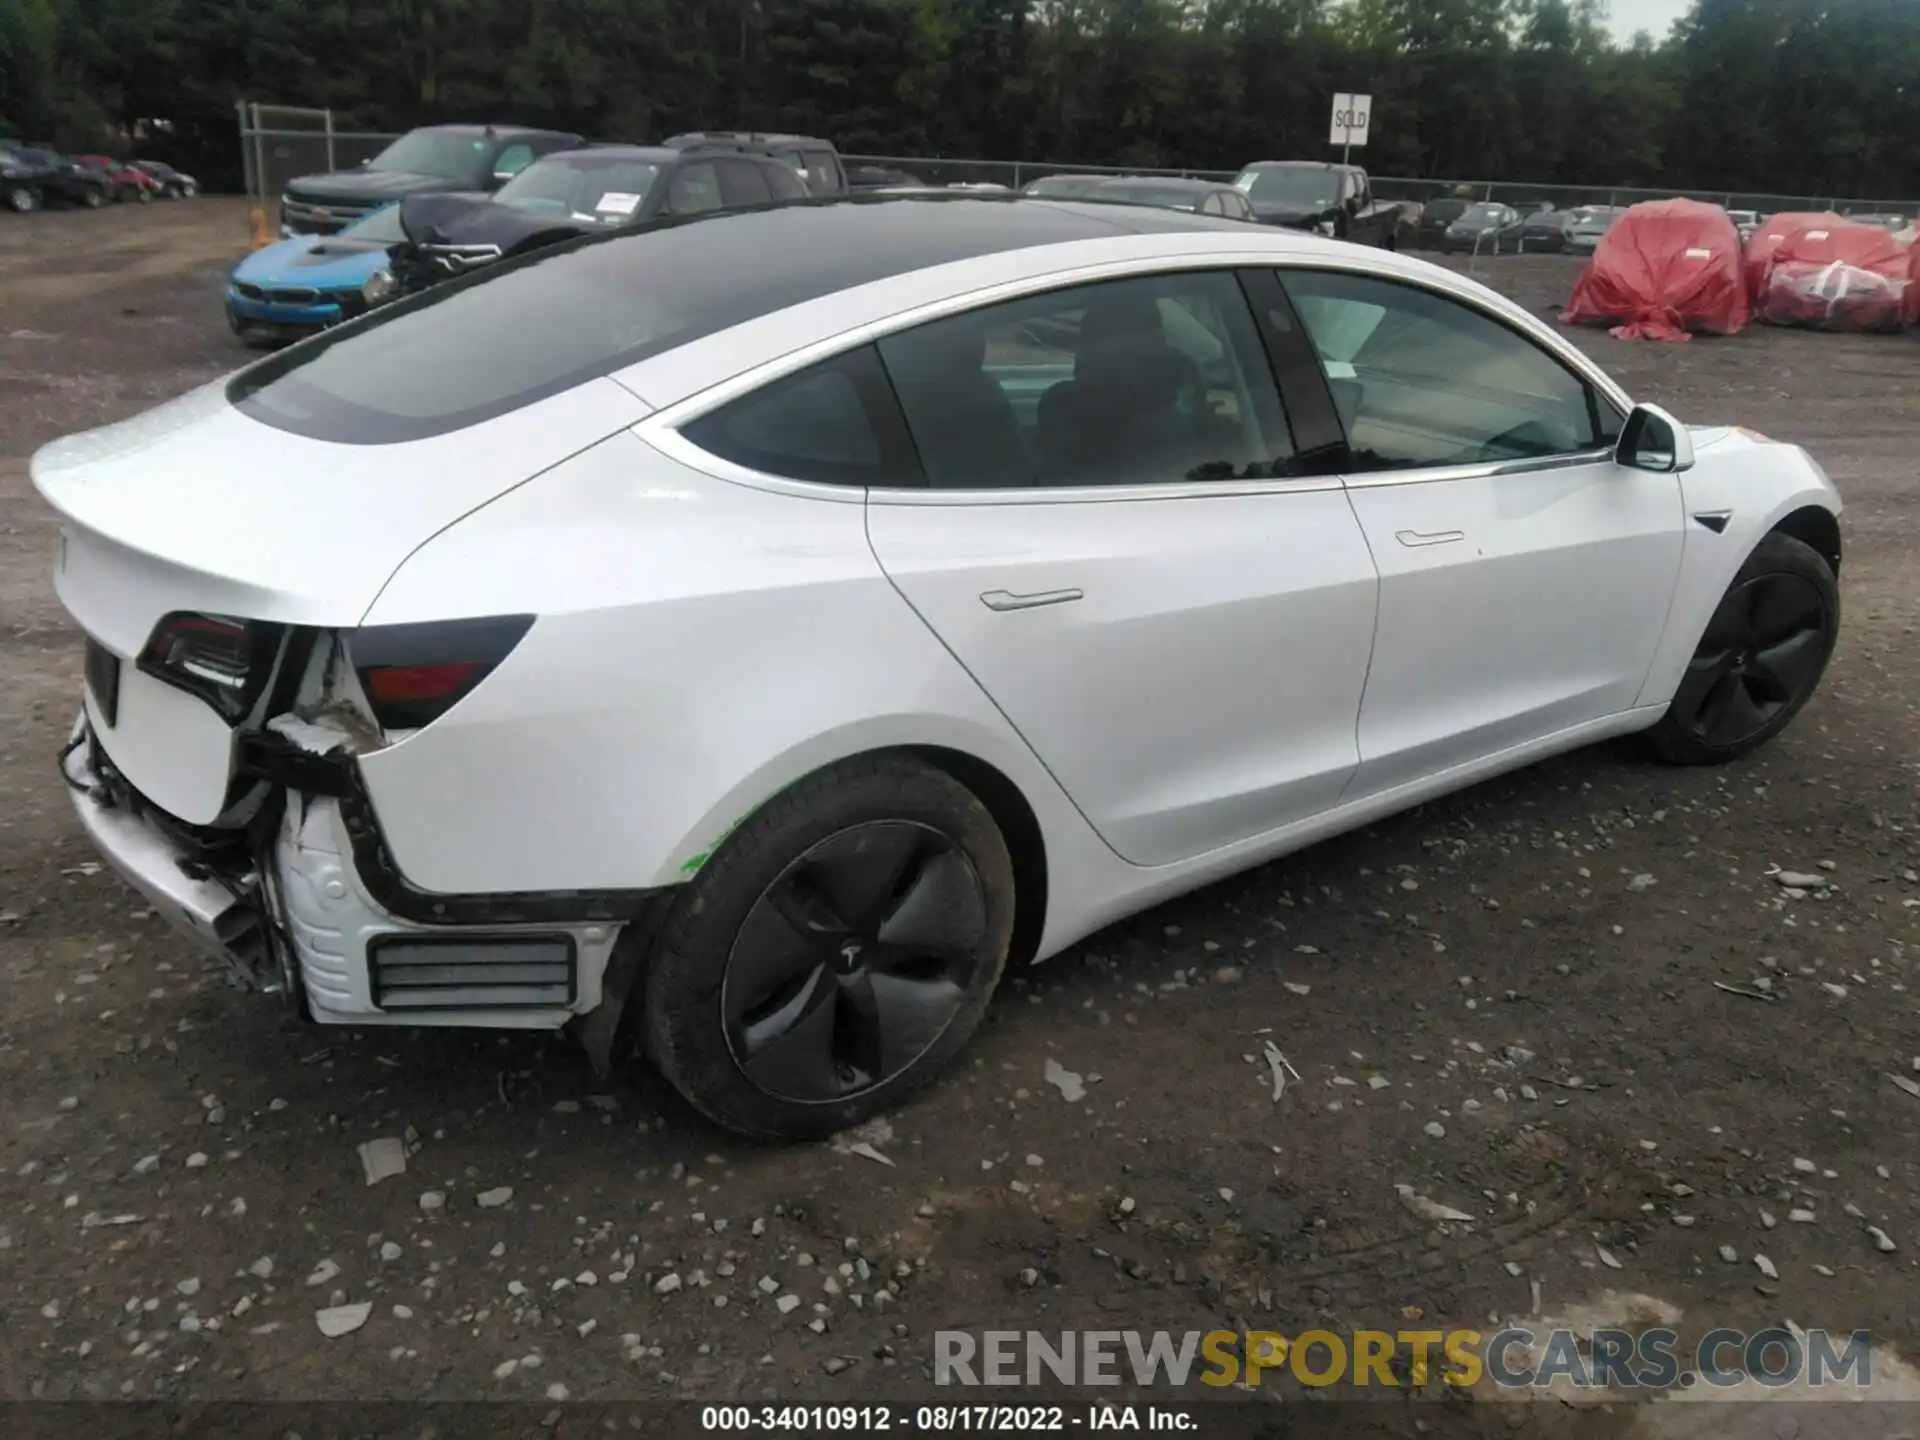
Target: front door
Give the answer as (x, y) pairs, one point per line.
(1114, 542)
(1524, 575)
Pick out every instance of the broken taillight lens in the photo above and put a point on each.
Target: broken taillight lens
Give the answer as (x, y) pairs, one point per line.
(414, 674)
(224, 661)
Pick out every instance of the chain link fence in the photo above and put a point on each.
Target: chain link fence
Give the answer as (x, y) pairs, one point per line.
(280, 142)
(1015, 173)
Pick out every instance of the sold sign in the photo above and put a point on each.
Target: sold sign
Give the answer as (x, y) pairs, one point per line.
(1350, 116)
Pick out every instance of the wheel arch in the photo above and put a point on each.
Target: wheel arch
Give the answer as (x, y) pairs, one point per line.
(1815, 527)
(1006, 802)
(1019, 827)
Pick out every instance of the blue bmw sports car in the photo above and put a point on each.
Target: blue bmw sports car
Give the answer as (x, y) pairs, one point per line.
(305, 284)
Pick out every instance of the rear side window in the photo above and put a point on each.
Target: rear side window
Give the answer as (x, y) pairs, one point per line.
(1151, 381)
(834, 423)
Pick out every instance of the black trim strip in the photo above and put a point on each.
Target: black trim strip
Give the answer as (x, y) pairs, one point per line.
(381, 876)
(1320, 443)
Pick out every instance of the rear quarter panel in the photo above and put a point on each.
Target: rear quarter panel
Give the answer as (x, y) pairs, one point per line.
(701, 646)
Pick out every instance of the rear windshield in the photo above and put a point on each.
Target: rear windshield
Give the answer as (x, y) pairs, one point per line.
(596, 189)
(514, 333)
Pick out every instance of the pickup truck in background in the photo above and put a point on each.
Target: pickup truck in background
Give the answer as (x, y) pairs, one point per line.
(432, 159)
(1320, 196)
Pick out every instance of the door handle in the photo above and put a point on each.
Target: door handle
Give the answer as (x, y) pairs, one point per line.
(1007, 600)
(1416, 538)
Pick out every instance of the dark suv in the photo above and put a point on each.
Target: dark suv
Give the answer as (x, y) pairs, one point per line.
(433, 159)
(581, 192)
(33, 174)
(816, 160)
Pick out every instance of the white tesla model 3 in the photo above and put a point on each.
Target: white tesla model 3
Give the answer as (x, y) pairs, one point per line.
(788, 619)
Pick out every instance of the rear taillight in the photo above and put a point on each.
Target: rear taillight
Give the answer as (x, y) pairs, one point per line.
(414, 674)
(224, 661)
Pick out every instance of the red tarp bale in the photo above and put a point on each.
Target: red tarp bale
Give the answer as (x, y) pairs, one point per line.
(1774, 231)
(1666, 267)
(1913, 284)
(1837, 277)
(1834, 296)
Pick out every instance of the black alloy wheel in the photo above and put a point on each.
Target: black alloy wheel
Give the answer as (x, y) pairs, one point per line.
(854, 961)
(1760, 658)
(834, 953)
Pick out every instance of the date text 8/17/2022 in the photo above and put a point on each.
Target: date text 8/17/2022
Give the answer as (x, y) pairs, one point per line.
(946, 1419)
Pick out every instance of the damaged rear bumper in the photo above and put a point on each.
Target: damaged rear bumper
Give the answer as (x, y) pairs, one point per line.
(182, 889)
(306, 899)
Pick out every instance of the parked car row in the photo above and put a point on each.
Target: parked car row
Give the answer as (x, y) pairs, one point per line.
(33, 177)
(446, 200)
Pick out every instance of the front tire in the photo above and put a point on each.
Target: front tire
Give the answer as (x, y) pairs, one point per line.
(836, 952)
(22, 200)
(1758, 661)
(94, 199)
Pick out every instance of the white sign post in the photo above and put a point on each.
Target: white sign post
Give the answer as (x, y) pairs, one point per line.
(1351, 115)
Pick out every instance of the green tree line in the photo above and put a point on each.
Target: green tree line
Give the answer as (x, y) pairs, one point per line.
(1772, 96)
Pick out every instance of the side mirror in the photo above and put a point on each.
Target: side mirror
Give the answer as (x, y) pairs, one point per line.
(499, 178)
(1653, 440)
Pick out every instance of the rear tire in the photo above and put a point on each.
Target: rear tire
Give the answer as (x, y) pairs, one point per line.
(22, 200)
(1759, 660)
(836, 952)
(94, 198)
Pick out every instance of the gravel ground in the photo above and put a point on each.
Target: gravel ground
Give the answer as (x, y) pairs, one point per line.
(1508, 1001)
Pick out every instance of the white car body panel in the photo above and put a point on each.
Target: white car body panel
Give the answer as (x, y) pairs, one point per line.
(716, 597)
(1756, 484)
(1237, 596)
(707, 636)
(196, 507)
(1512, 606)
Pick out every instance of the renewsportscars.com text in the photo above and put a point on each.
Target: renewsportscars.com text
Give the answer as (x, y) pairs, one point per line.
(1511, 1358)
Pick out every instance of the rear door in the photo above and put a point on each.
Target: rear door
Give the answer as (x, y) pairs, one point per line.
(1116, 538)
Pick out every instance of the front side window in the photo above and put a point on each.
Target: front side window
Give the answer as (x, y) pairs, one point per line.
(1150, 381)
(785, 184)
(743, 183)
(694, 190)
(1420, 380)
(512, 160)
